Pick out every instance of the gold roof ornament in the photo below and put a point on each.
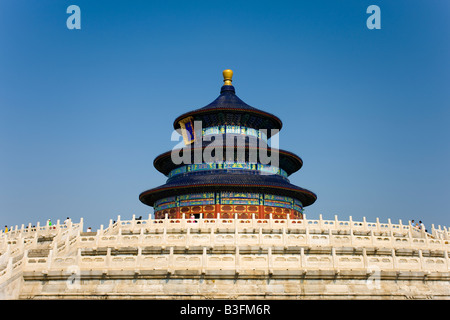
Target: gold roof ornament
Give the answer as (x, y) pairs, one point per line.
(227, 75)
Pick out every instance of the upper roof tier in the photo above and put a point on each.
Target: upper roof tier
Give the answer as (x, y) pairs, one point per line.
(229, 109)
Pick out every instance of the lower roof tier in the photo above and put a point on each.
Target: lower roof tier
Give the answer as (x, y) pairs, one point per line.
(273, 184)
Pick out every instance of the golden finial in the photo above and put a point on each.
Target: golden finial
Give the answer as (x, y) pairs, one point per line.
(227, 75)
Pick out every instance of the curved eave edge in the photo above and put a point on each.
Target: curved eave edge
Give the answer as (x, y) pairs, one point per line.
(166, 155)
(199, 186)
(215, 110)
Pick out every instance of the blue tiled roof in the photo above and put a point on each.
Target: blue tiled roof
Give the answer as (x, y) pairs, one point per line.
(288, 161)
(191, 183)
(228, 108)
(228, 100)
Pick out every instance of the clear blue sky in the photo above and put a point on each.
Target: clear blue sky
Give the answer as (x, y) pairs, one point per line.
(83, 113)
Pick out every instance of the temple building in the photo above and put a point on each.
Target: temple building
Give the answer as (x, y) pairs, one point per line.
(227, 225)
(227, 166)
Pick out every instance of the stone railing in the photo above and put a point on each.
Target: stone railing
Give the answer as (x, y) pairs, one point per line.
(237, 246)
(192, 237)
(15, 244)
(28, 231)
(313, 225)
(267, 261)
(228, 245)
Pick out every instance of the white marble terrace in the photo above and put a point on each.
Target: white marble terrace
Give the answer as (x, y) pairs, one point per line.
(303, 245)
